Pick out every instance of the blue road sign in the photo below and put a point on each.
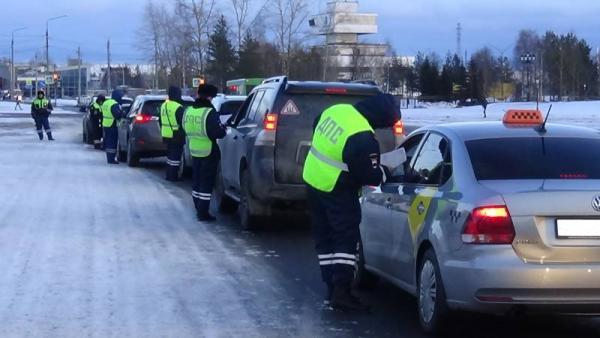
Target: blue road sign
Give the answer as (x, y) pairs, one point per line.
(42, 84)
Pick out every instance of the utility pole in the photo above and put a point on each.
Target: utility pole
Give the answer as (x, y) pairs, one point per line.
(459, 40)
(108, 84)
(155, 63)
(79, 75)
(13, 75)
(47, 48)
(123, 69)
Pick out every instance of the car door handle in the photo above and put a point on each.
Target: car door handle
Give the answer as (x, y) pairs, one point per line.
(235, 137)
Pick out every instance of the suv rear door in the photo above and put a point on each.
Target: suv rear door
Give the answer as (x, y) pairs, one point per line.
(297, 115)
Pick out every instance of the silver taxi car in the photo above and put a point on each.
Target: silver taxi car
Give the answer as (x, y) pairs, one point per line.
(489, 217)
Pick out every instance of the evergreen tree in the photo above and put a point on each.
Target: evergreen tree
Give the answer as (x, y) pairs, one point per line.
(221, 54)
(250, 62)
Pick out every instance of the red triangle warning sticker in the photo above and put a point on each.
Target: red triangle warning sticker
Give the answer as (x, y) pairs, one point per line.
(290, 108)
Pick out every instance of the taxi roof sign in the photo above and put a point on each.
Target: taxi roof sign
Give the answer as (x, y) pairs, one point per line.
(527, 117)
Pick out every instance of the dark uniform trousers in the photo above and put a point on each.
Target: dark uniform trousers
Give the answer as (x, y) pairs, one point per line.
(111, 136)
(205, 173)
(336, 219)
(42, 124)
(174, 152)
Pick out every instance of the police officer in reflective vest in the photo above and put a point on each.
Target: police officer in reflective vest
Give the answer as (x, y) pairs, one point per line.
(343, 158)
(96, 120)
(111, 113)
(171, 115)
(203, 127)
(41, 108)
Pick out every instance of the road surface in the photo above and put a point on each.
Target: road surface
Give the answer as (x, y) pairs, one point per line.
(94, 250)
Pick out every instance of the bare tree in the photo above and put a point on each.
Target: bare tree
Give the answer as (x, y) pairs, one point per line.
(289, 16)
(201, 12)
(240, 9)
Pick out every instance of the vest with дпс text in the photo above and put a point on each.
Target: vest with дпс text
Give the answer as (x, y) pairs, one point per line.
(107, 117)
(324, 163)
(194, 124)
(168, 119)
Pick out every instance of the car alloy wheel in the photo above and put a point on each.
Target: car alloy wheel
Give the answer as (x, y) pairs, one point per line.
(427, 291)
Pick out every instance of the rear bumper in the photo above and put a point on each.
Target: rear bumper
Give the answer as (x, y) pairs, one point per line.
(264, 187)
(497, 281)
(147, 141)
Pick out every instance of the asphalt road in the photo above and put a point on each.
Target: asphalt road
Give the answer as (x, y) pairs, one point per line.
(94, 250)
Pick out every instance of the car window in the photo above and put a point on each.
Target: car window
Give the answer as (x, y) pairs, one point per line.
(255, 104)
(265, 105)
(241, 114)
(230, 107)
(135, 108)
(522, 158)
(152, 107)
(433, 160)
(411, 146)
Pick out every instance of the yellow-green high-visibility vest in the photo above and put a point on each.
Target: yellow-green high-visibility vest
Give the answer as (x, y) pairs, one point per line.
(194, 124)
(168, 120)
(96, 106)
(40, 103)
(107, 117)
(324, 163)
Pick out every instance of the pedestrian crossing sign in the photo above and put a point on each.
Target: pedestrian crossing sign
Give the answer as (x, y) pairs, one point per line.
(290, 108)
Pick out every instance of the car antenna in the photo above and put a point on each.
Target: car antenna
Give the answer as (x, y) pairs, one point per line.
(542, 128)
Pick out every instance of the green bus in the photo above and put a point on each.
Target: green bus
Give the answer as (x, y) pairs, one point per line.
(242, 86)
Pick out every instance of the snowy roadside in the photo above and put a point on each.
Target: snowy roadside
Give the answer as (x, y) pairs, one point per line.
(7, 107)
(585, 113)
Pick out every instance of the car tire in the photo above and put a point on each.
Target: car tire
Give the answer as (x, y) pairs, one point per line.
(184, 171)
(432, 308)
(225, 204)
(133, 160)
(363, 279)
(248, 219)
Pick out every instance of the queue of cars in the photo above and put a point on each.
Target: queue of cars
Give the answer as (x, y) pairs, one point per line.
(493, 217)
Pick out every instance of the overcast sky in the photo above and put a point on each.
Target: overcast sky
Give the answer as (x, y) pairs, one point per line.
(411, 26)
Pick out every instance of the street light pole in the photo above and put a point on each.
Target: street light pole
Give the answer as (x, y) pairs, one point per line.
(13, 77)
(47, 47)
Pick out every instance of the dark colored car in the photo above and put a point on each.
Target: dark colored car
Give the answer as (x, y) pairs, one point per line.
(87, 124)
(139, 131)
(264, 151)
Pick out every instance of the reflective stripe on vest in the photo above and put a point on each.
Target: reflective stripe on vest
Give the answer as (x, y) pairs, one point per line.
(39, 104)
(168, 119)
(107, 117)
(194, 124)
(324, 163)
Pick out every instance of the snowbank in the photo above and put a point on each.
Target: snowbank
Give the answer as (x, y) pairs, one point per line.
(586, 113)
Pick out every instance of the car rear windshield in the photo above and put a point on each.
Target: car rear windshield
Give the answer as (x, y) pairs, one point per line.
(153, 107)
(535, 158)
(309, 106)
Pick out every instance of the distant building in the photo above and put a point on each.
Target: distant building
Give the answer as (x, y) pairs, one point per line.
(346, 58)
(4, 77)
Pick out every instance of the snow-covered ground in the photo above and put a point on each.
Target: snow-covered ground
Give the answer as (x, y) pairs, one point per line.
(8, 107)
(585, 113)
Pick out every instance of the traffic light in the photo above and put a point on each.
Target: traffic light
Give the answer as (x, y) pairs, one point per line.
(56, 76)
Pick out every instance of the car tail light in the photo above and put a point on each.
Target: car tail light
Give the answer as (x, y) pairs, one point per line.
(399, 128)
(489, 225)
(270, 122)
(143, 118)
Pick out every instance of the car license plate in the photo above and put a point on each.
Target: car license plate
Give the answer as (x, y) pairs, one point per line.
(578, 228)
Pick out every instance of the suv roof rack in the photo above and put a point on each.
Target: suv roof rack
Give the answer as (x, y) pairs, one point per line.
(282, 79)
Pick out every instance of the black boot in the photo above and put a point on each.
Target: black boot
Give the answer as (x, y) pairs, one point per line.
(50, 138)
(344, 300)
(41, 136)
(328, 296)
